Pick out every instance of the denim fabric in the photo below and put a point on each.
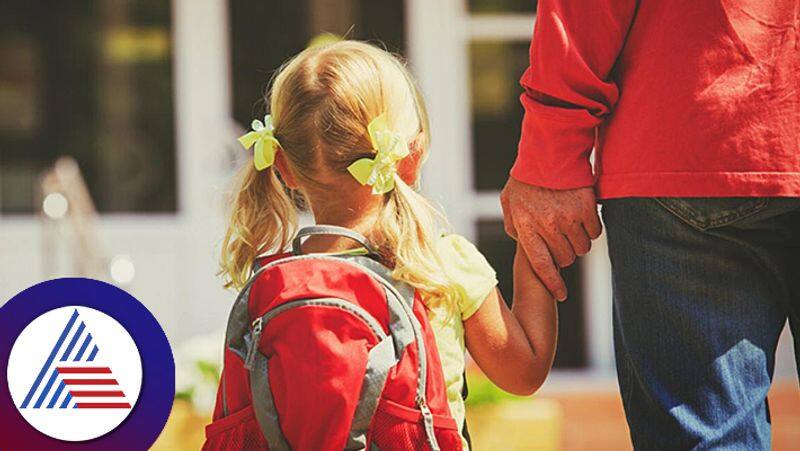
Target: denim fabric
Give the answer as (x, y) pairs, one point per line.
(702, 290)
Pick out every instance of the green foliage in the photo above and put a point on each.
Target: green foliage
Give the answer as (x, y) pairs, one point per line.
(185, 395)
(483, 391)
(209, 370)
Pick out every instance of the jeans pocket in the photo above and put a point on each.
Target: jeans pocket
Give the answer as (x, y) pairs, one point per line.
(705, 213)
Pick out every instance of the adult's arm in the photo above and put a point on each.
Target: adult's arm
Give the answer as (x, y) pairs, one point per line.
(549, 203)
(568, 89)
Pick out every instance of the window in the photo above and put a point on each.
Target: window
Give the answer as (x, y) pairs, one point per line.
(91, 79)
(495, 70)
(265, 34)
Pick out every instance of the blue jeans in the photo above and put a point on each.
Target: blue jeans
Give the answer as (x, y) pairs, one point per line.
(702, 290)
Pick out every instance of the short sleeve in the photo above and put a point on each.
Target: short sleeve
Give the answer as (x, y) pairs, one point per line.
(468, 269)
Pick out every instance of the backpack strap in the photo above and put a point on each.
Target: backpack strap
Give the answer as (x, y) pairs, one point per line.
(264, 404)
(400, 297)
(321, 229)
(380, 361)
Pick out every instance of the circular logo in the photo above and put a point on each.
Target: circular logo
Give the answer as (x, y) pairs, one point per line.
(74, 373)
(87, 367)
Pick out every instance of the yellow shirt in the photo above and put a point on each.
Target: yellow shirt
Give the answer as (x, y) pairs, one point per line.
(474, 278)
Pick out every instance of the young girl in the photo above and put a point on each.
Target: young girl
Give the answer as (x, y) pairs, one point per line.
(348, 133)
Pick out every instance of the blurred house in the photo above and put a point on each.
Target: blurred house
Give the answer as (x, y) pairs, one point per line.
(148, 96)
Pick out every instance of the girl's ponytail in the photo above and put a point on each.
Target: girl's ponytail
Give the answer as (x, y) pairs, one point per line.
(408, 231)
(263, 218)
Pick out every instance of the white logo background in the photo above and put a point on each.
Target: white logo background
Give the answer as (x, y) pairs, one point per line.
(117, 350)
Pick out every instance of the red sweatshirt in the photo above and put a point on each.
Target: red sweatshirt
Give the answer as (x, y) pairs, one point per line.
(678, 98)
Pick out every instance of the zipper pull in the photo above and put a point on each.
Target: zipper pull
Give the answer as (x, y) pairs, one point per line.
(427, 418)
(255, 337)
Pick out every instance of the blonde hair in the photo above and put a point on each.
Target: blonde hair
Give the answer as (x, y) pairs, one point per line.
(321, 102)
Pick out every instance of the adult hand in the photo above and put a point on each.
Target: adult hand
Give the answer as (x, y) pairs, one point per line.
(553, 226)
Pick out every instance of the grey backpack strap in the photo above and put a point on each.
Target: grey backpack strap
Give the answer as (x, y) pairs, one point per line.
(400, 297)
(264, 404)
(239, 339)
(321, 229)
(380, 361)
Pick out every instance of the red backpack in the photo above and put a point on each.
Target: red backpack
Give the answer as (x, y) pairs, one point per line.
(328, 352)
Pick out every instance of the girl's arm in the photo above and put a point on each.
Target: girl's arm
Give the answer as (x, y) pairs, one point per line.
(515, 348)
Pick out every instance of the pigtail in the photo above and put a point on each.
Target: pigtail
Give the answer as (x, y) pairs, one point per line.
(263, 218)
(408, 230)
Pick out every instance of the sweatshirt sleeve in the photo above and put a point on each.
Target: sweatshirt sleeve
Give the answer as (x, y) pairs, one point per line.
(568, 89)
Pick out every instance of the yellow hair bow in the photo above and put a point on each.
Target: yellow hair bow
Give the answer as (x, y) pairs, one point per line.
(390, 147)
(265, 143)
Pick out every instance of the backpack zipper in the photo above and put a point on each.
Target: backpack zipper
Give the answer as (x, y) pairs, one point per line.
(427, 418)
(255, 337)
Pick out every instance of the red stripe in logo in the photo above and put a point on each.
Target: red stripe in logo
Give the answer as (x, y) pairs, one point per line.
(97, 394)
(103, 405)
(85, 370)
(90, 381)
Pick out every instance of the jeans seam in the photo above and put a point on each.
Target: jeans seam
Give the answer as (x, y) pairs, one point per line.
(689, 216)
(760, 204)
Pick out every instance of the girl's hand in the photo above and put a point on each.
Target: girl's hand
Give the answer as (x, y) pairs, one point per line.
(515, 348)
(526, 283)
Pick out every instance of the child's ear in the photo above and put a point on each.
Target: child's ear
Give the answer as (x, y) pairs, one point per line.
(282, 166)
(409, 167)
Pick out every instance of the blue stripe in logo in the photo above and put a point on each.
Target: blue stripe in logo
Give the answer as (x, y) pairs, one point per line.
(83, 348)
(49, 360)
(93, 354)
(73, 341)
(55, 384)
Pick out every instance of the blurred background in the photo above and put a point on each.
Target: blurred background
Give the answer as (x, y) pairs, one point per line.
(118, 121)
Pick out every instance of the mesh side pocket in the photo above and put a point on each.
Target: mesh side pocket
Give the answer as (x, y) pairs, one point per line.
(239, 431)
(397, 427)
